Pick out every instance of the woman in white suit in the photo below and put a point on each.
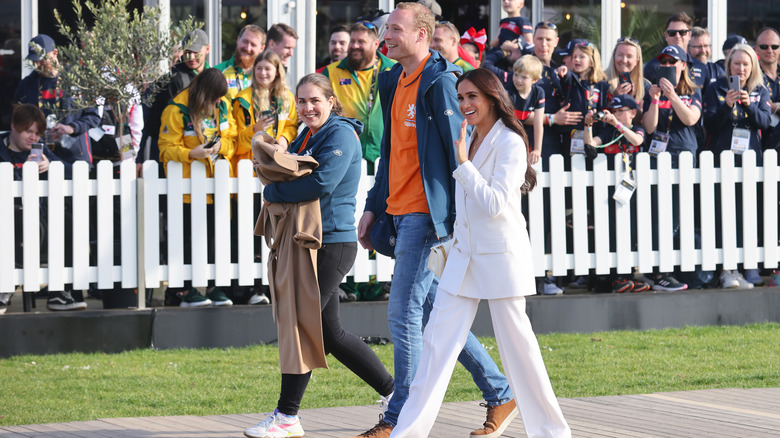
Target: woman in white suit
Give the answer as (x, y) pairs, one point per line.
(490, 259)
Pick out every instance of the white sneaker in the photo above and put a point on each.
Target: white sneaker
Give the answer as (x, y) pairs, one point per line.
(259, 299)
(384, 402)
(743, 284)
(277, 425)
(552, 289)
(727, 280)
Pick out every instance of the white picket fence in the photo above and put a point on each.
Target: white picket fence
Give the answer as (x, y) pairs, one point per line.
(140, 236)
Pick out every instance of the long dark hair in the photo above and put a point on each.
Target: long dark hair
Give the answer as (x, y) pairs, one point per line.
(204, 89)
(489, 85)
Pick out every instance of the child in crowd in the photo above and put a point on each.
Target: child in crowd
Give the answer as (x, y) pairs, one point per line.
(514, 28)
(585, 87)
(528, 100)
(619, 136)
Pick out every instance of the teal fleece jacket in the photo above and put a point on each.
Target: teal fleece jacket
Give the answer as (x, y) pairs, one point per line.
(334, 182)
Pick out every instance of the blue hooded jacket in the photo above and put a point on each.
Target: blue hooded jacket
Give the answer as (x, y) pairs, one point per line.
(438, 126)
(334, 182)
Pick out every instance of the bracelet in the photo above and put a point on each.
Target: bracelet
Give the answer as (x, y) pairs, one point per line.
(550, 119)
(588, 126)
(653, 102)
(619, 127)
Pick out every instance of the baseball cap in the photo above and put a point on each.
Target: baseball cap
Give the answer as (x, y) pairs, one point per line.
(622, 101)
(40, 46)
(433, 5)
(732, 40)
(195, 40)
(570, 46)
(674, 51)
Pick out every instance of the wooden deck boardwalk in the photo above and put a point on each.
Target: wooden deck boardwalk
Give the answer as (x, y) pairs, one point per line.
(743, 413)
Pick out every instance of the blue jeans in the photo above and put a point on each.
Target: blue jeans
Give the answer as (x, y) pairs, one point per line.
(411, 300)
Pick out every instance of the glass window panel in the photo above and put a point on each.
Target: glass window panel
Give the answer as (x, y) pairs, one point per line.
(747, 17)
(646, 21)
(10, 59)
(575, 19)
(237, 14)
(331, 13)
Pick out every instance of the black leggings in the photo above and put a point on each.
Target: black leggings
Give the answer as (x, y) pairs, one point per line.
(333, 263)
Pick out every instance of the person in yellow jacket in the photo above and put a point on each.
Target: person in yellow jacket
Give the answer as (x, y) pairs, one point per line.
(198, 126)
(268, 105)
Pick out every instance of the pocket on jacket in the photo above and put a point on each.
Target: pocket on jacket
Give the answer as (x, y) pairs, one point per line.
(492, 247)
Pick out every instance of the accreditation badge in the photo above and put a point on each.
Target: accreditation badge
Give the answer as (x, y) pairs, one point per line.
(658, 143)
(577, 142)
(740, 140)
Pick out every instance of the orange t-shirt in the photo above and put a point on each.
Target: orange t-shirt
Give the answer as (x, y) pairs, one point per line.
(407, 194)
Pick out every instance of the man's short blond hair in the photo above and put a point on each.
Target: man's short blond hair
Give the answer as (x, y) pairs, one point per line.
(423, 18)
(530, 65)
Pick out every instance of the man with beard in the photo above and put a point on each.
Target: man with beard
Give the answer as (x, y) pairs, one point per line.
(42, 88)
(354, 82)
(700, 48)
(338, 45)
(282, 40)
(238, 69)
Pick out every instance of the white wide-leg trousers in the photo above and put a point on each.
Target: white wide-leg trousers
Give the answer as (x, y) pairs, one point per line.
(444, 337)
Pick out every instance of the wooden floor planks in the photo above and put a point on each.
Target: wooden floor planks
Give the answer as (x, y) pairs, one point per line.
(712, 413)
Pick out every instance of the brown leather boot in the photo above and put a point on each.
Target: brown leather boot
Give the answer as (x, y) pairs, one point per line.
(381, 430)
(498, 419)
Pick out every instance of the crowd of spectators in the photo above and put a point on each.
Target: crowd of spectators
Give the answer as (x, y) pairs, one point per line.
(673, 101)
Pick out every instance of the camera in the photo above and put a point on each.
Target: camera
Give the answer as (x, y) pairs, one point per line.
(599, 116)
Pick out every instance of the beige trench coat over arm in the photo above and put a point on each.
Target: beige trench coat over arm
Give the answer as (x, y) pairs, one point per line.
(293, 232)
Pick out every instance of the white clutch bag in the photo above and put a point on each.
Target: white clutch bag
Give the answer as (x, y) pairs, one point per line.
(438, 257)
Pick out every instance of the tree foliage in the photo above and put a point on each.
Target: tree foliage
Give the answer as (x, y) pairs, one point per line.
(118, 59)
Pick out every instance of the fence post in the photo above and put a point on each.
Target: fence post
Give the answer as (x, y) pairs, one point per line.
(140, 254)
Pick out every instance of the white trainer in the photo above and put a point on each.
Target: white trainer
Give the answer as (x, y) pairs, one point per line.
(727, 280)
(743, 284)
(277, 425)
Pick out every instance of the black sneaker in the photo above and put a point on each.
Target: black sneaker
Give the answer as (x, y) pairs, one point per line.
(620, 285)
(62, 300)
(667, 282)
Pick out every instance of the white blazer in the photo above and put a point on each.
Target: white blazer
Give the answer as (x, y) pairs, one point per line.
(491, 256)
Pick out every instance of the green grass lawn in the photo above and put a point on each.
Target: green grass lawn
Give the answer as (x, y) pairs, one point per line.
(78, 387)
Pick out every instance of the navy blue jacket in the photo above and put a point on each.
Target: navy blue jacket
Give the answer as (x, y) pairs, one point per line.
(334, 182)
(6, 156)
(720, 120)
(438, 126)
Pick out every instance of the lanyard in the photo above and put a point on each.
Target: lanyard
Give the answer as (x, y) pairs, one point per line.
(371, 90)
(303, 143)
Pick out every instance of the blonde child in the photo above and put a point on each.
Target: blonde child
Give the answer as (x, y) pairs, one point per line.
(528, 100)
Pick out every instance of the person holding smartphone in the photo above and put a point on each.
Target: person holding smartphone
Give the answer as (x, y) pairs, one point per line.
(737, 106)
(736, 109)
(197, 126)
(625, 71)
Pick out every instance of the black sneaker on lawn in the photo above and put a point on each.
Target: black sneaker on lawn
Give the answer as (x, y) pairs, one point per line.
(63, 300)
(667, 282)
(620, 285)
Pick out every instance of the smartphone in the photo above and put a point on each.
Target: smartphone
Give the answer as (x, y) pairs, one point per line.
(734, 83)
(36, 152)
(267, 113)
(668, 72)
(212, 141)
(624, 78)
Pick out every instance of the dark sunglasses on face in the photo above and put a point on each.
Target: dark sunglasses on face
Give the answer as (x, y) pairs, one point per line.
(546, 25)
(667, 61)
(767, 46)
(673, 32)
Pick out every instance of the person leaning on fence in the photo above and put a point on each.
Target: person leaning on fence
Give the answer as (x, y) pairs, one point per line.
(671, 113)
(42, 89)
(619, 136)
(27, 127)
(268, 106)
(734, 119)
(528, 100)
(414, 184)
(198, 126)
(333, 142)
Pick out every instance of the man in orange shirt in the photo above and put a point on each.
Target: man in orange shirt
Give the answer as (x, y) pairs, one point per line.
(414, 184)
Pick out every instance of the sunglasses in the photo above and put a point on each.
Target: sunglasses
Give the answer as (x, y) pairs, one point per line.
(450, 26)
(622, 40)
(667, 61)
(767, 46)
(546, 25)
(368, 24)
(681, 32)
